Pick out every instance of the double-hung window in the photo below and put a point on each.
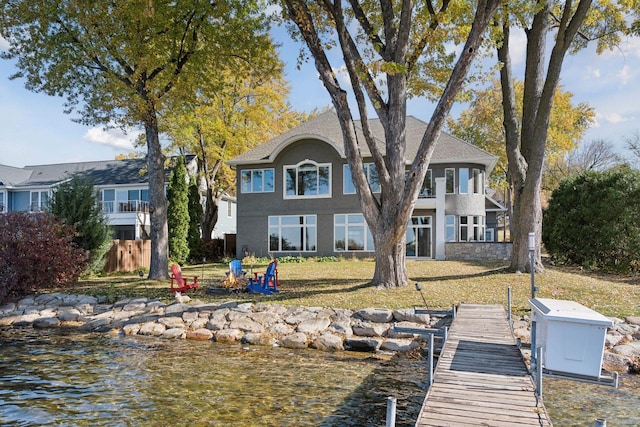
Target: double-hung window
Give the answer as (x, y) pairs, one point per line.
(450, 180)
(464, 180)
(293, 233)
(257, 181)
(2, 202)
(307, 179)
(427, 186)
(450, 231)
(478, 181)
(370, 172)
(351, 233)
(39, 201)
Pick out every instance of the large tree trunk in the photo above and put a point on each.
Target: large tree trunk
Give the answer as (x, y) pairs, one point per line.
(390, 271)
(210, 216)
(158, 268)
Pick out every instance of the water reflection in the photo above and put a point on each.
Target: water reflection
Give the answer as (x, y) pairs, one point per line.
(53, 378)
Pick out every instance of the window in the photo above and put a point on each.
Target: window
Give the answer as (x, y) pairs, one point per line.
(464, 180)
(478, 229)
(39, 200)
(351, 233)
(450, 180)
(108, 200)
(307, 179)
(2, 204)
(450, 221)
(292, 233)
(488, 235)
(372, 176)
(257, 181)
(472, 228)
(464, 228)
(478, 181)
(427, 185)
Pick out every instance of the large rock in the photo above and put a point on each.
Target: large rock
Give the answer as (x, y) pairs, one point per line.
(376, 315)
(299, 317)
(328, 342)
(262, 338)
(281, 329)
(370, 329)
(313, 326)
(626, 329)
(342, 327)
(615, 362)
(174, 333)
(629, 350)
(363, 344)
(409, 315)
(400, 345)
(46, 322)
(201, 334)
(152, 328)
(228, 335)
(245, 324)
(612, 340)
(172, 322)
(297, 340)
(131, 329)
(634, 320)
(69, 314)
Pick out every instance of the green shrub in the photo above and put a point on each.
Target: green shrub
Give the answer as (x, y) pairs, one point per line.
(76, 202)
(592, 220)
(178, 213)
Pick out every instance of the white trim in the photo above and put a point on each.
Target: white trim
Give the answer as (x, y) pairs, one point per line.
(297, 166)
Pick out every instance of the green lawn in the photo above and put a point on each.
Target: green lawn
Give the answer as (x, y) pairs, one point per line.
(343, 284)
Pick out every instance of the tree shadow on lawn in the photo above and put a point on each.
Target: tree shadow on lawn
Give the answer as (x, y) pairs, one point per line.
(494, 272)
(294, 289)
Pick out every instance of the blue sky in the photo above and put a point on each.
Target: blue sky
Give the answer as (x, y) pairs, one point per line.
(34, 130)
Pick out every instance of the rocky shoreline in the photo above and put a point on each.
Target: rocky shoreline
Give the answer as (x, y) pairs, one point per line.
(369, 330)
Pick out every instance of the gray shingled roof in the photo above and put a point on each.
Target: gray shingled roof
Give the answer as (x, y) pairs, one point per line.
(325, 126)
(109, 172)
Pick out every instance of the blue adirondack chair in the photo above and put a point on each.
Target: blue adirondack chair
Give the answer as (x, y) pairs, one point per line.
(267, 284)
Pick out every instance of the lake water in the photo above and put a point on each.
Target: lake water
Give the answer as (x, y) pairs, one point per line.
(52, 377)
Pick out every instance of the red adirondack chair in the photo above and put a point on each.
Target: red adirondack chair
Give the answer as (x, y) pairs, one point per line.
(179, 283)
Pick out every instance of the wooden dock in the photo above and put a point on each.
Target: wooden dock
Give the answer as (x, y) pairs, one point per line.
(481, 378)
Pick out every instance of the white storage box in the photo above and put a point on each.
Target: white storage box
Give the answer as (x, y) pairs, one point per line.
(572, 336)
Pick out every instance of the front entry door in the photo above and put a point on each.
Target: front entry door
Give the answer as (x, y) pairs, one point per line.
(419, 237)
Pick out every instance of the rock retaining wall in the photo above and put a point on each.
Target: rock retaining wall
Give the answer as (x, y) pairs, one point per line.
(261, 324)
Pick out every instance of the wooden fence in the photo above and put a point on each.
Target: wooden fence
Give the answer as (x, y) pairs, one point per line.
(128, 255)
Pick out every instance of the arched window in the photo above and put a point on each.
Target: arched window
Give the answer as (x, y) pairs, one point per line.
(307, 179)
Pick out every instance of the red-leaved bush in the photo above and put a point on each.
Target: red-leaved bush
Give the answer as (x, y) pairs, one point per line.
(36, 253)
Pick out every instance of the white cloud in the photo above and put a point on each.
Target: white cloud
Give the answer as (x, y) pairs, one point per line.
(624, 75)
(595, 72)
(613, 118)
(343, 76)
(115, 138)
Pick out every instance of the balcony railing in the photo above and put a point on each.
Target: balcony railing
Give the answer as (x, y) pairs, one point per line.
(125, 207)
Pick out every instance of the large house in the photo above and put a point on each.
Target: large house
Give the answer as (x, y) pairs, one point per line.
(123, 187)
(295, 195)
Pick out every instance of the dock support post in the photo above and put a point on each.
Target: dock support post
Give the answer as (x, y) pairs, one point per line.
(509, 305)
(539, 372)
(391, 411)
(600, 422)
(430, 360)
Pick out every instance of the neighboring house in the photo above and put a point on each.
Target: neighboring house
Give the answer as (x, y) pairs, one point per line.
(123, 187)
(295, 194)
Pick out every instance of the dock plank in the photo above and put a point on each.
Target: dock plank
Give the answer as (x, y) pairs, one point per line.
(481, 378)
